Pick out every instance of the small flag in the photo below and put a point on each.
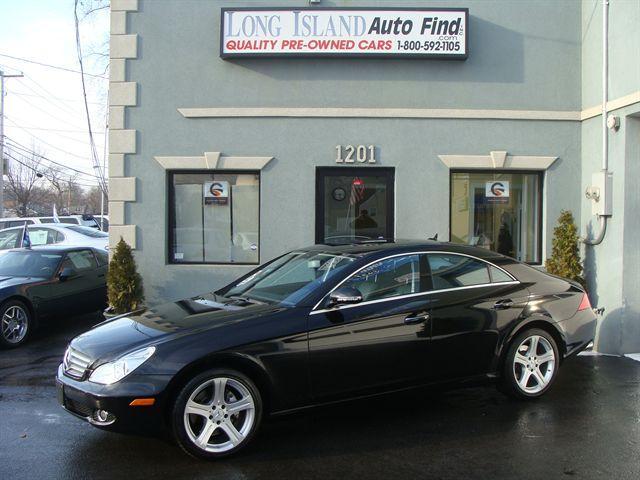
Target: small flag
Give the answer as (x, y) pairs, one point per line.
(357, 191)
(55, 214)
(26, 241)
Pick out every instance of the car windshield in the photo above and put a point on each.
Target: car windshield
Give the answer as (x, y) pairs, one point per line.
(87, 231)
(290, 278)
(28, 264)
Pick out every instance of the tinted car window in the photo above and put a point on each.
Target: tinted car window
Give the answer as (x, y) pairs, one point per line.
(28, 264)
(451, 271)
(81, 260)
(71, 220)
(289, 278)
(102, 257)
(47, 220)
(498, 275)
(18, 223)
(9, 238)
(388, 278)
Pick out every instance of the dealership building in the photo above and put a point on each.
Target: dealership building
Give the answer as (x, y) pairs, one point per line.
(241, 130)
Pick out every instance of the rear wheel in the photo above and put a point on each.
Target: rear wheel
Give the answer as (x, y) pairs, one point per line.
(216, 414)
(531, 364)
(15, 324)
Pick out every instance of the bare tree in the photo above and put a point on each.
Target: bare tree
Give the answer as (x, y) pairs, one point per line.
(62, 187)
(93, 200)
(24, 179)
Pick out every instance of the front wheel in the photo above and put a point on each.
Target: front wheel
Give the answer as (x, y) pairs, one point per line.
(216, 414)
(531, 364)
(15, 325)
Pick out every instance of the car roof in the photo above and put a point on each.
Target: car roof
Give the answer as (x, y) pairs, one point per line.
(50, 248)
(402, 246)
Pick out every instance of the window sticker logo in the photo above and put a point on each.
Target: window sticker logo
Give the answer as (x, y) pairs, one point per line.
(216, 193)
(497, 191)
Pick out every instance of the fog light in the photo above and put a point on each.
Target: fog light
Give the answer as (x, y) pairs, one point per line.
(103, 417)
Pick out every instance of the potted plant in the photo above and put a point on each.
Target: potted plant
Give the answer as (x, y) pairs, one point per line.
(124, 283)
(565, 254)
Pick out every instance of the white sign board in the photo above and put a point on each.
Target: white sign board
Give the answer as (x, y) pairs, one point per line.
(497, 191)
(216, 193)
(335, 32)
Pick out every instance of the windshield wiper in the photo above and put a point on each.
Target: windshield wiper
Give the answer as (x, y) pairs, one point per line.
(247, 299)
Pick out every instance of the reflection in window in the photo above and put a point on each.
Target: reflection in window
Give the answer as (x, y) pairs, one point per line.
(499, 211)
(451, 271)
(388, 278)
(215, 218)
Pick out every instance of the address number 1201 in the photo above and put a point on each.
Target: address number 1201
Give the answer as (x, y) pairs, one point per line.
(355, 154)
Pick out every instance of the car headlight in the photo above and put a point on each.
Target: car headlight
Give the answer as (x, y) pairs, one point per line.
(112, 372)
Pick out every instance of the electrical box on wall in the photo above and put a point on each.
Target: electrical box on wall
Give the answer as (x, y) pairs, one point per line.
(601, 193)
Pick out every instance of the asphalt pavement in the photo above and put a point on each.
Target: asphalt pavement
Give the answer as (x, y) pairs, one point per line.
(587, 426)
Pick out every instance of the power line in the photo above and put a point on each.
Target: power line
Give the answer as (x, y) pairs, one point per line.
(22, 94)
(53, 146)
(19, 146)
(48, 113)
(44, 173)
(57, 67)
(94, 152)
(25, 127)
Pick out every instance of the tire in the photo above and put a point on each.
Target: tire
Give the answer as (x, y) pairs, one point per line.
(16, 323)
(526, 375)
(208, 431)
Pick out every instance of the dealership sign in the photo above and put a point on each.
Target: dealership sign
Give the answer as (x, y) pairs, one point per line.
(497, 191)
(216, 193)
(333, 32)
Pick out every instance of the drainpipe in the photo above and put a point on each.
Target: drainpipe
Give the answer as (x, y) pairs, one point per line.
(605, 137)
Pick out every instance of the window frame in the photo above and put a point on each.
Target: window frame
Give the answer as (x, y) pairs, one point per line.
(323, 172)
(171, 212)
(540, 192)
(424, 263)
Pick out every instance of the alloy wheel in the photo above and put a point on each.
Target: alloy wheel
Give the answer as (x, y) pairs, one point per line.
(534, 364)
(219, 414)
(15, 323)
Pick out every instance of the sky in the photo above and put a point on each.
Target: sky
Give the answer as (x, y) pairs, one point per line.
(45, 109)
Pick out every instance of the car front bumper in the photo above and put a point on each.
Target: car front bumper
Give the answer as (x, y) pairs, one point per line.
(84, 399)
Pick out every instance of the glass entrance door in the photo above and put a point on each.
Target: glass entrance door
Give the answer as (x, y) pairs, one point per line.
(354, 204)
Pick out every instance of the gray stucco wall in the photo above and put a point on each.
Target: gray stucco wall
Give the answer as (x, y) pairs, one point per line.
(522, 56)
(613, 268)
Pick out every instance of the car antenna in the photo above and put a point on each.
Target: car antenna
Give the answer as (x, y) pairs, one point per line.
(434, 238)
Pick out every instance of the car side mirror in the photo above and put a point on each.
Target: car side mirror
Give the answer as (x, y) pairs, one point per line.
(66, 274)
(344, 296)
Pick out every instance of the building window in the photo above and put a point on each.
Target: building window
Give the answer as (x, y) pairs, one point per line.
(214, 217)
(354, 204)
(499, 211)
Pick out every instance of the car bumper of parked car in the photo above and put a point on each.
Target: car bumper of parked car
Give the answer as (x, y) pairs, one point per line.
(579, 331)
(133, 406)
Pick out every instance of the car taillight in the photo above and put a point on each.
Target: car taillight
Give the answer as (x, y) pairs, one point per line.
(585, 303)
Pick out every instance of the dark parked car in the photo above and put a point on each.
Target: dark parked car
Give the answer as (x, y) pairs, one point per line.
(322, 324)
(42, 282)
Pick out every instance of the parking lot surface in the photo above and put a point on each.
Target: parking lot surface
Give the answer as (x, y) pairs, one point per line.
(587, 426)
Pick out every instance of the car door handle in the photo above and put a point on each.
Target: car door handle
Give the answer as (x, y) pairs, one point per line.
(503, 304)
(412, 320)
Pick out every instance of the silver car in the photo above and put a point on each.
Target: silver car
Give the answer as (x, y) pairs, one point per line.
(55, 234)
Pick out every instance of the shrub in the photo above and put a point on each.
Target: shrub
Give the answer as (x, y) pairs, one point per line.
(565, 254)
(124, 284)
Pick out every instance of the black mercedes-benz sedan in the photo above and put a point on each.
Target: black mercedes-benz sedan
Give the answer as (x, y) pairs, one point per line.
(40, 283)
(323, 324)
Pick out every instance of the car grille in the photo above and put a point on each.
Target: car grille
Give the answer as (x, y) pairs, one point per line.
(79, 408)
(75, 364)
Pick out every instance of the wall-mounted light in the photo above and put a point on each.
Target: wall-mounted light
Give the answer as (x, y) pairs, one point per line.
(613, 123)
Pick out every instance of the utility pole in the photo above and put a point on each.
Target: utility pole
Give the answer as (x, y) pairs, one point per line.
(2, 77)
